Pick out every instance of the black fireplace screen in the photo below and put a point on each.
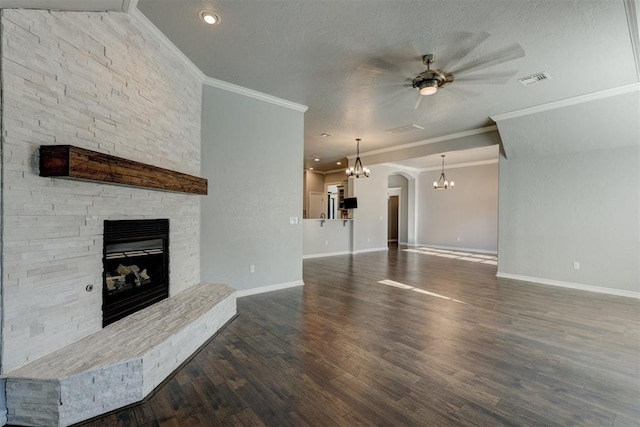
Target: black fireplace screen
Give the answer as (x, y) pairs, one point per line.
(136, 266)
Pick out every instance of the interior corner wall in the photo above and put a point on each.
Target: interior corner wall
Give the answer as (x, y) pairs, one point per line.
(252, 154)
(97, 81)
(570, 192)
(463, 217)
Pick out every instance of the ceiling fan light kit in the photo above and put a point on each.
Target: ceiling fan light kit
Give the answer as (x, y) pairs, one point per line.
(442, 183)
(430, 80)
(428, 87)
(357, 170)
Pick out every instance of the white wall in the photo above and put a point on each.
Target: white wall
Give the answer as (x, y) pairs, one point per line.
(570, 191)
(465, 216)
(252, 153)
(97, 81)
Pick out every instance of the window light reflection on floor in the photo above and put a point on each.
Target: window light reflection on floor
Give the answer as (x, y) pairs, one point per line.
(395, 284)
(465, 256)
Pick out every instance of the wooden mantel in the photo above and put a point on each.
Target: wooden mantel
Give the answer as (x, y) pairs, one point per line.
(67, 161)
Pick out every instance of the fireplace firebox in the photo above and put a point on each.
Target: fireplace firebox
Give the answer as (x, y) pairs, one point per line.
(136, 266)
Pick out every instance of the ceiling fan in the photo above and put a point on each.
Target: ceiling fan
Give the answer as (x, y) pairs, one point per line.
(430, 80)
(461, 62)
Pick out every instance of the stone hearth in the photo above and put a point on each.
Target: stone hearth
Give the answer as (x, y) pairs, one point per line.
(120, 364)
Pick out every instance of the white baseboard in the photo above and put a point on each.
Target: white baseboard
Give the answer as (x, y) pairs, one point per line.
(360, 251)
(270, 288)
(457, 248)
(324, 254)
(579, 286)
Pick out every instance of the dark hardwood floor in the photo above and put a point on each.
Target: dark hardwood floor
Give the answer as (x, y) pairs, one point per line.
(346, 350)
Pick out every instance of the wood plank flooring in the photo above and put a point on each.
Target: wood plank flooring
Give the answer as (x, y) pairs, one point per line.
(346, 350)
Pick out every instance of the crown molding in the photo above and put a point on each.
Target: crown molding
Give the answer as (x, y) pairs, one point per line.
(633, 16)
(315, 171)
(634, 87)
(428, 141)
(230, 87)
(461, 165)
(129, 5)
(139, 18)
(336, 171)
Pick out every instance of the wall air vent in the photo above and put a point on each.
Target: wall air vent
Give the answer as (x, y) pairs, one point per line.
(405, 129)
(534, 78)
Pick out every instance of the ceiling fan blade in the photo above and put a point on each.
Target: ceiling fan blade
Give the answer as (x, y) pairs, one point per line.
(487, 78)
(509, 53)
(465, 43)
(461, 93)
(418, 102)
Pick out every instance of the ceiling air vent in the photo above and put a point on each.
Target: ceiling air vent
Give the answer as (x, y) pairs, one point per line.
(534, 78)
(404, 129)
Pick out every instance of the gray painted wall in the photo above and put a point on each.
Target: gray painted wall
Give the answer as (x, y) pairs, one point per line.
(252, 152)
(370, 219)
(327, 237)
(570, 191)
(465, 216)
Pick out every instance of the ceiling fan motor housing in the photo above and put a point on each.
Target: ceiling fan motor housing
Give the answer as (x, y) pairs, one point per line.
(429, 77)
(432, 75)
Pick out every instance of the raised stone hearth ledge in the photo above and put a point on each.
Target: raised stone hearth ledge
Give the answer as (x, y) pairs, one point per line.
(120, 364)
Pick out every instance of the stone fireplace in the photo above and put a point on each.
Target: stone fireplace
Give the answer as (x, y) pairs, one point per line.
(102, 82)
(136, 266)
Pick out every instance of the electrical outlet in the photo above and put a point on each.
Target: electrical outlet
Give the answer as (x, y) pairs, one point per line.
(576, 265)
(252, 268)
(326, 242)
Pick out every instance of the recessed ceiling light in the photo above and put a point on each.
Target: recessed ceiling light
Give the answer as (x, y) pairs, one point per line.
(325, 135)
(316, 159)
(338, 163)
(209, 17)
(310, 169)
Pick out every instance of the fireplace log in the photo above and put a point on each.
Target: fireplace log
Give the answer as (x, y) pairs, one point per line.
(67, 161)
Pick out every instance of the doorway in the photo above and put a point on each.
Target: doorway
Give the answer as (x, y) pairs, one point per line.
(393, 203)
(317, 206)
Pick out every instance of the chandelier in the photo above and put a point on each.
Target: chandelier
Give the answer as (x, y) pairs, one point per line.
(442, 183)
(357, 169)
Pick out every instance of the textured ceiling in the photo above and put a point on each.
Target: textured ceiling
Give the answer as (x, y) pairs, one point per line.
(350, 61)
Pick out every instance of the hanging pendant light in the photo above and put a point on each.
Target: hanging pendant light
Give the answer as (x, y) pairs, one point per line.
(442, 183)
(357, 169)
